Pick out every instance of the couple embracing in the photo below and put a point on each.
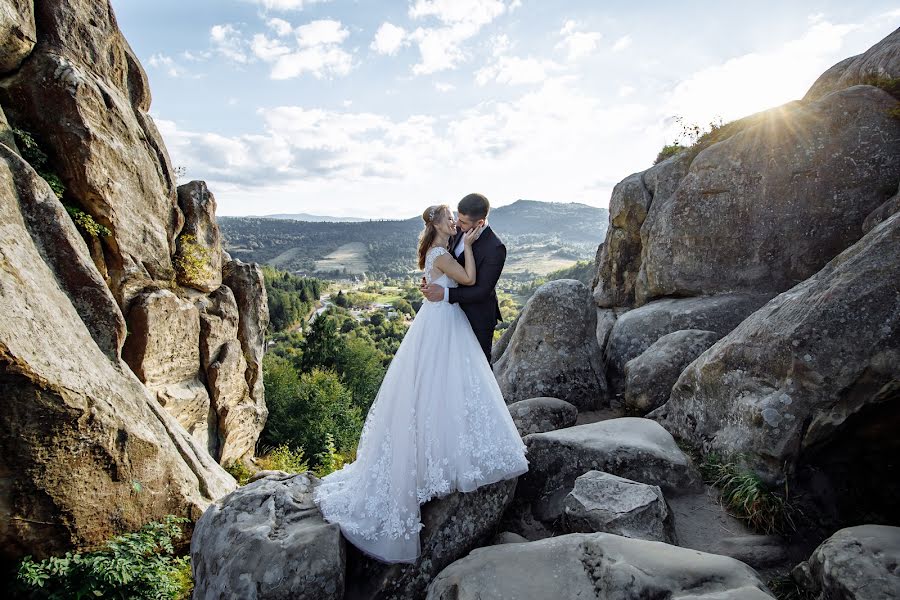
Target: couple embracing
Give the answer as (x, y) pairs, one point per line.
(439, 423)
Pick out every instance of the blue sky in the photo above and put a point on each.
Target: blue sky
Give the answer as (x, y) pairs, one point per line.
(378, 109)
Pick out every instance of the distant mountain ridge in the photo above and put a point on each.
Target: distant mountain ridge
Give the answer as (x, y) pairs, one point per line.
(308, 218)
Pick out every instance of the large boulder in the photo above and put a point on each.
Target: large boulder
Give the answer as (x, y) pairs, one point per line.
(881, 61)
(767, 207)
(453, 526)
(198, 257)
(553, 350)
(85, 97)
(813, 376)
(85, 450)
(633, 448)
(246, 281)
(634, 331)
(268, 541)
(17, 33)
(856, 563)
(596, 565)
(882, 213)
(537, 415)
(649, 377)
(600, 502)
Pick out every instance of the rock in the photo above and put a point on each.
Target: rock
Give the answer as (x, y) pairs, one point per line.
(808, 377)
(856, 563)
(882, 213)
(499, 348)
(85, 451)
(636, 330)
(268, 541)
(508, 537)
(239, 422)
(17, 33)
(536, 415)
(246, 281)
(619, 259)
(606, 320)
(7, 137)
(84, 96)
(267, 473)
(553, 350)
(454, 525)
(162, 347)
(218, 323)
(188, 401)
(636, 449)
(199, 208)
(601, 502)
(880, 61)
(758, 551)
(767, 207)
(595, 565)
(649, 377)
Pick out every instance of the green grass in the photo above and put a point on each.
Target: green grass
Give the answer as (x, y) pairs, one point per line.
(746, 497)
(785, 588)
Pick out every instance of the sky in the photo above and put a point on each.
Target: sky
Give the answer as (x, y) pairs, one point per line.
(379, 109)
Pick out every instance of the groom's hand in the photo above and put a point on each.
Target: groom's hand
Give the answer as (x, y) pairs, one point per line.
(432, 292)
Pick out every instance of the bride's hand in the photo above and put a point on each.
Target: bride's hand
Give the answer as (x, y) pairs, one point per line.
(472, 235)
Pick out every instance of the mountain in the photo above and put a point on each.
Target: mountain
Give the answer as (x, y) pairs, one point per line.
(540, 237)
(310, 218)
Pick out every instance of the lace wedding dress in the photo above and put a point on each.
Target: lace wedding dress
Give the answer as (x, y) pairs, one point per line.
(438, 424)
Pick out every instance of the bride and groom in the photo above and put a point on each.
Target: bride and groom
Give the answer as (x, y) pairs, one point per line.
(439, 422)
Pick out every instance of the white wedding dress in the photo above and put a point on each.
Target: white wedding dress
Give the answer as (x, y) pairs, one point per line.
(438, 424)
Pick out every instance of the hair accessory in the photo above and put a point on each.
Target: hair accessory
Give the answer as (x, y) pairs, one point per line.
(431, 214)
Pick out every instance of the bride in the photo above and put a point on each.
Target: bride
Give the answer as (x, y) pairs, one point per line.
(438, 423)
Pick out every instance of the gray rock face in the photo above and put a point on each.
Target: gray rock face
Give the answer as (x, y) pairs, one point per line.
(882, 213)
(199, 208)
(66, 394)
(595, 565)
(619, 259)
(769, 206)
(246, 281)
(17, 33)
(823, 356)
(637, 449)
(636, 330)
(881, 60)
(857, 563)
(84, 95)
(537, 415)
(268, 541)
(649, 377)
(553, 350)
(454, 525)
(601, 502)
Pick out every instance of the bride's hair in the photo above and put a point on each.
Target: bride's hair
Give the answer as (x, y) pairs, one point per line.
(431, 214)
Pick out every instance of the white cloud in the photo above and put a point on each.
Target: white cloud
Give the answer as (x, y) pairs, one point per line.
(284, 5)
(320, 61)
(228, 41)
(316, 51)
(280, 27)
(444, 87)
(166, 63)
(268, 49)
(622, 43)
(321, 33)
(388, 39)
(625, 91)
(513, 70)
(577, 44)
(441, 48)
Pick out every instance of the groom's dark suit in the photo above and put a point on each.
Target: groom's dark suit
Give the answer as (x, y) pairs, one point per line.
(479, 301)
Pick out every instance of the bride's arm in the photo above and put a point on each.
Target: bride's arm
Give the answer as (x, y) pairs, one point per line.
(448, 265)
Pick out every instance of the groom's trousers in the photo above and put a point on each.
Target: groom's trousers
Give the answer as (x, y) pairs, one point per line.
(486, 339)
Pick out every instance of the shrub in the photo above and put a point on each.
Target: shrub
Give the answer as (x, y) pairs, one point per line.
(37, 158)
(668, 151)
(137, 565)
(86, 222)
(239, 471)
(891, 85)
(745, 495)
(330, 459)
(192, 261)
(283, 458)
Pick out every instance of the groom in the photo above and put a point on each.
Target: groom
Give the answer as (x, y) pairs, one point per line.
(478, 301)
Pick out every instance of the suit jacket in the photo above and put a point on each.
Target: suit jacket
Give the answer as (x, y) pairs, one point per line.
(479, 301)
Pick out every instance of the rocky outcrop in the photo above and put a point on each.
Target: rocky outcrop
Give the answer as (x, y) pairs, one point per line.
(636, 449)
(596, 565)
(857, 563)
(268, 541)
(881, 61)
(553, 350)
(85, 450)
(634, 331)
(882, 213)
(246, 281)
(649, 377)
(601, 502)
(199, 244)
(537, 415)
(811, 376)
(85, 97)
(17, 33)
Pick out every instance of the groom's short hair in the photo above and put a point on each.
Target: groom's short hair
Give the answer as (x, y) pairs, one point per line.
(475, 206)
